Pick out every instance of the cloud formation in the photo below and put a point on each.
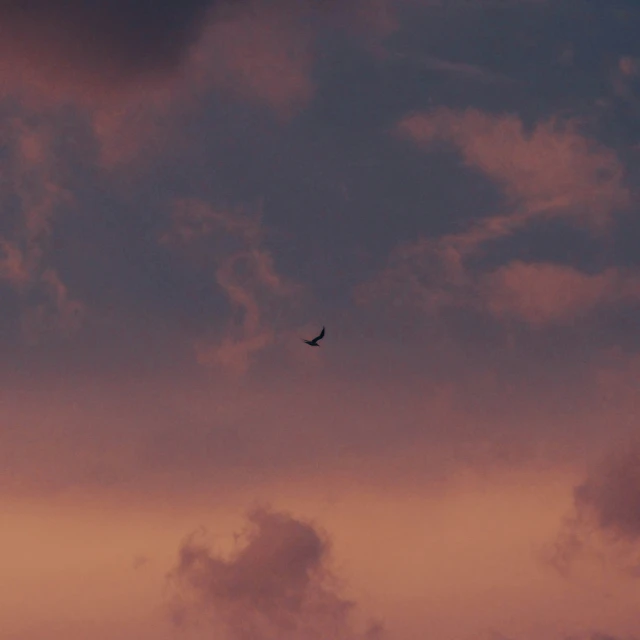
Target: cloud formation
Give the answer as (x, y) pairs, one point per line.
(34, 196)
(605, 521)
(610, 495)
(100, 43)
(231, 244)
(92, 49)
(277, 585)
(541, 293)
(553, 172)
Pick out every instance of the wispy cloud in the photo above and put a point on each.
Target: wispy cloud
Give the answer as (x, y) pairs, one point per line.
(462, 69)
(543, 293)
(553, 171)
(243, 269)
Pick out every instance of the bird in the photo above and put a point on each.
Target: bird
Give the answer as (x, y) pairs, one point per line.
(314, 342)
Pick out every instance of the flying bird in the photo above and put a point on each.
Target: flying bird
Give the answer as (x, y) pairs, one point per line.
(314, 342)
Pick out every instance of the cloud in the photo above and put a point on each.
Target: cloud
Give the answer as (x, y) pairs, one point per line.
(610, 495)
(243, 269)
(461, 69)
(138, 69)
(266, 54)
(629, 66)
(427, 274)
(433, 276)
(139, 562)
(91, 50)
(542, 293)
(605, 522)
(34, 196)
(277, 586)
(99, 43)
(552, 171)
(624, 78)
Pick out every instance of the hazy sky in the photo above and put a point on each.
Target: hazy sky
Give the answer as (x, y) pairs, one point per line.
(188, 188)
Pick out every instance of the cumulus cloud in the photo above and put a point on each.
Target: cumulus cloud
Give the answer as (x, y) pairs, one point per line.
(277, 585)
(231, 244)
(605, 522)
(611, 495)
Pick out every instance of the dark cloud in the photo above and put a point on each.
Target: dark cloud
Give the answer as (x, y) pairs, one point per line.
(611, 495)
(604, 524)
(276, 586)
(115, 42)
(117, 38)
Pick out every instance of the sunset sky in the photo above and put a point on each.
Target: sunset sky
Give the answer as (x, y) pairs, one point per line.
(188, 188)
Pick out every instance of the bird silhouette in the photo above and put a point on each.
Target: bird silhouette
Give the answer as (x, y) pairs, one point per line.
(314, 342)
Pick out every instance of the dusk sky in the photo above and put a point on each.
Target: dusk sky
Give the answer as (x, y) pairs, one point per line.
(191, 187)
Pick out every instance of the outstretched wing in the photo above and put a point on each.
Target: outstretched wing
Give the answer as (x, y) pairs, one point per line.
(320, 336)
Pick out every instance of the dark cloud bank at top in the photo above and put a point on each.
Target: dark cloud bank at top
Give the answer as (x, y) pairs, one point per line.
(98, 46)
(117, 40)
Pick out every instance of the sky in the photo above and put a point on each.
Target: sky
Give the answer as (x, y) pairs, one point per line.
(189, 188)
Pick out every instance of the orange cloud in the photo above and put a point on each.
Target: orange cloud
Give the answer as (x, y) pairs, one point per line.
(552, 171)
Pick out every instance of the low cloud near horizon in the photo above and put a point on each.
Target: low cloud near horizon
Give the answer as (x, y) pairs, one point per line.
(276, 585)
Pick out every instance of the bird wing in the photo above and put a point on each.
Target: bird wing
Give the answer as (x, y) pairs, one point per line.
(320, 336)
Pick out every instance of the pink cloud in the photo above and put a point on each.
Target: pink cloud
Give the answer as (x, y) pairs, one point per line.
(33, 180)
(604, 524)
(265, 54)
(133, 83)
(611, 494)
(629, 66)
(276, 585)
(542, 293)
(432, 276)
(243, 269)
(256, 52)
(552, 171)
